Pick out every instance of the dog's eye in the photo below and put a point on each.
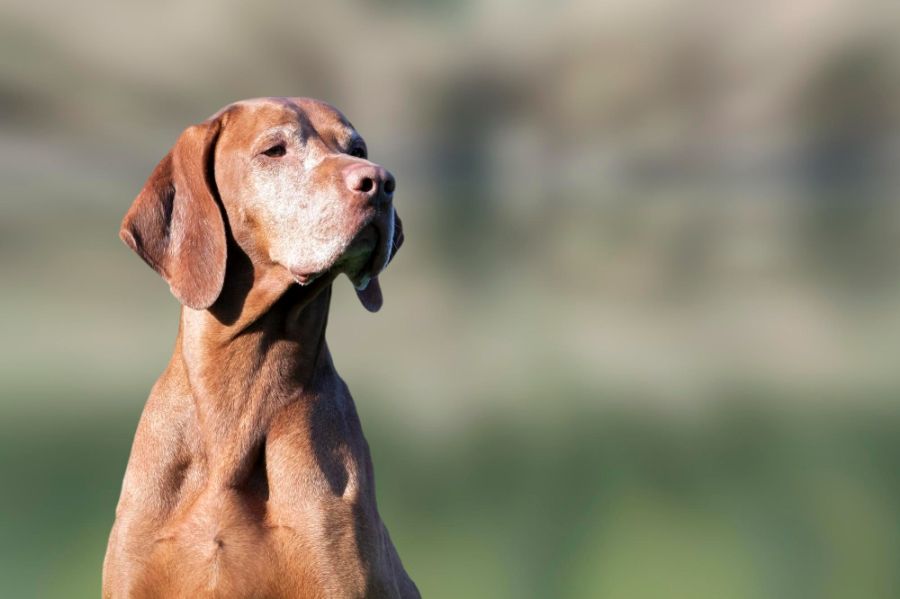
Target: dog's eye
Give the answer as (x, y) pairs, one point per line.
(276, 151)
(359, 152)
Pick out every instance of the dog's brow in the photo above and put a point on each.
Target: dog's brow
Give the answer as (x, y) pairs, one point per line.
(353, 136)
(284, 130)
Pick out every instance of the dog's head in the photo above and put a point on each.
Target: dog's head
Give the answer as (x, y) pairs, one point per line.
(289, 178)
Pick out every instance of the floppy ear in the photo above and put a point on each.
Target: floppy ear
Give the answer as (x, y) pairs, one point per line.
(370, 296)
(175, 223)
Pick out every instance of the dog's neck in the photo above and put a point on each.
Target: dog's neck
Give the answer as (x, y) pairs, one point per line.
(253, 352)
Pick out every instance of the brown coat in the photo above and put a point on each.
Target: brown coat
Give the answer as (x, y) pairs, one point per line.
(249, 475)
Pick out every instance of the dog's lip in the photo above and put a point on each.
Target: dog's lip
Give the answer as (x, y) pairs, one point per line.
(303, 278)
(370, 233)
(373, 232)
(375, 263)
(382, 247)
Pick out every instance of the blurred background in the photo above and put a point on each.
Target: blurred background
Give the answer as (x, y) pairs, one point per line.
(641, 340)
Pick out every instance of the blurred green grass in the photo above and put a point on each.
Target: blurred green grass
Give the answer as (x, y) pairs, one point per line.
(754, 500)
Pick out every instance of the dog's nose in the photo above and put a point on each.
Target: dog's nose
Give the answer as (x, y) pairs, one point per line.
(371, 181)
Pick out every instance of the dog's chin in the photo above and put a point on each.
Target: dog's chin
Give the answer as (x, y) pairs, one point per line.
(364, 257)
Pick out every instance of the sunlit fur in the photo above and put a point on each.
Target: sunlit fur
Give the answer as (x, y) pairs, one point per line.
(249, 475)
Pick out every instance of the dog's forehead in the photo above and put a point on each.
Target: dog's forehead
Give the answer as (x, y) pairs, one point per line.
(322, 113)
(262, 113)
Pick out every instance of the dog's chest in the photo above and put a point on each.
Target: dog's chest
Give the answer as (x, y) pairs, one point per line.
(225, 545)
(300, 521)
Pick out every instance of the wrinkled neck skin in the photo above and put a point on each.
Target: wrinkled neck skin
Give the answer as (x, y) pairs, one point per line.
(260, 347)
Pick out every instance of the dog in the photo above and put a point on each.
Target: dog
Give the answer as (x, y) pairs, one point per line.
(249, 475)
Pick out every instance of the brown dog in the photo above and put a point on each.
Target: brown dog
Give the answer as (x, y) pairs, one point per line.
(249, 475)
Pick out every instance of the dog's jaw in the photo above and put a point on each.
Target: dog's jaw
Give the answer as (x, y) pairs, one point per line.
(365, 257)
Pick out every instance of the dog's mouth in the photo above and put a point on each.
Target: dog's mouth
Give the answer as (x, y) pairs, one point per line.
(367, 254)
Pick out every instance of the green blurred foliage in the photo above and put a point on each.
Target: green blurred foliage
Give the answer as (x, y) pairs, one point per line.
(640, 341)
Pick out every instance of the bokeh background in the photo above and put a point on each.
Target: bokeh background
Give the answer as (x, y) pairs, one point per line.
(641, 341)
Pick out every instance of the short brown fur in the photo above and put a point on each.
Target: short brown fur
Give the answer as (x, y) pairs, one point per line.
(249, 475)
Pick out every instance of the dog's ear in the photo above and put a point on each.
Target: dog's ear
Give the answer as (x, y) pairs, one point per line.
(175, 224)
(370, 296)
